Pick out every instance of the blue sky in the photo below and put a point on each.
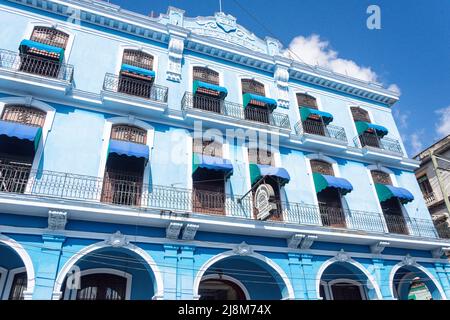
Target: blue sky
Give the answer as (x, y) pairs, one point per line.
(411, 51)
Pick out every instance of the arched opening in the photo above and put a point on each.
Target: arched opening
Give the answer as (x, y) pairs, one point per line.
(345, 281)
(412, 283)
(391, 202)
(136, 73)
(241, 278)
(13, 275)
(208, 95)
(127, 157)
(43, 53)
(109, 274)
(328, 197)
(313, 121)
(20, 134)
(368, 135)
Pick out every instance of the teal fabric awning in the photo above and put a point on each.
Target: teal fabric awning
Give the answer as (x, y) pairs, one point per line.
(30, 47)
(306, 113)
(322, 182)
(386, 192)
(221, 92)
(138, 71)
(257, 171)
(250, 98)
(362, 127)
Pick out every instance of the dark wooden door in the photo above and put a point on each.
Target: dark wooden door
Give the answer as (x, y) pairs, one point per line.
(344, 291)
(102, 287)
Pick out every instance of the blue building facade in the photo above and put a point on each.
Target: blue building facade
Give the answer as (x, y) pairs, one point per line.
(186, 158)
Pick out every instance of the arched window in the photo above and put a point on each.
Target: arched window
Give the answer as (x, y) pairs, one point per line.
(319, 166)
(102, 286)
(359, 114)
(50, 36)
(206, 75)
(381, 177)
(126, 132)
(24, 114)
(305, 100)
(260, 156)
(138, 59)
(252, 86)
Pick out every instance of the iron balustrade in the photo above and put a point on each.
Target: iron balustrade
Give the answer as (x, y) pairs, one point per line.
(234, 110)
(429, 198)
(135, 87)
(57, 185)
(372, 140)
(443, 231)
(318, 128)
(18, 62)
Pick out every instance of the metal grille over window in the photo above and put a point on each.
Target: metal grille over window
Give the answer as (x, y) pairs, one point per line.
(305, 100)
(206, 75)
(381, 177)
(50, 36)
(129, 133)
(322, 167)
(23, 114)
(359, 114)
(137, 59)
(260, 156)
(252, 86)
(208, 147)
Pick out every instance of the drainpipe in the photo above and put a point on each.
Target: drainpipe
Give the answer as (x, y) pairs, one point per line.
(441, 183)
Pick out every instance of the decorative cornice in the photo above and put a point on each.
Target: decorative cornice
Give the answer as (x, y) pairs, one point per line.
(243, 47)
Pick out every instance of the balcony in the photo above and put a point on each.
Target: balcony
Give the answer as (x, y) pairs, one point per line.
(317, 133)
(145, 90)
(34, 74)
(372, 141)
(429, 198)
(134, 194)
(224, 109)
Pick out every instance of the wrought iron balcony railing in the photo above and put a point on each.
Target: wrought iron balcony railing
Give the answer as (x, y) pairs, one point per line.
(313, 127)
(429, 198)
(234, 110)
(30, 64)
(443, 231)
(371, 140)
(51, 185)
(135, 87)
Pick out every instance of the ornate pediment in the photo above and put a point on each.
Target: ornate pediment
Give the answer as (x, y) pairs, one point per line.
(224, 27)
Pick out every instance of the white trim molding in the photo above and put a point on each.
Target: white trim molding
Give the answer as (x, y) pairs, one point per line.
(158, 279)
(26, 259)
(356, 264)
(411, 263)
(232, 253)
(217, 276)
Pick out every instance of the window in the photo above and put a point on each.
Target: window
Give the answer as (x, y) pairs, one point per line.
(123, 179)
(260, 156)
(305, 100)
(359, 114)
(206, 75)
(207, 147)
(50, 36)
(425, 185)
(133, 82)
(329, 199)
(138, 59)
(252, 86)
(220, 289)
(19, 285)
(102, 287)
(381, 177)
(322, 167)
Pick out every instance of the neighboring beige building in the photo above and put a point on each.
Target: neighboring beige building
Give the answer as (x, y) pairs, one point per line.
(434, 181)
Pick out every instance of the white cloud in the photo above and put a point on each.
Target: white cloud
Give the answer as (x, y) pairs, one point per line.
(415, 142)
(315, 51)
(443, 125)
